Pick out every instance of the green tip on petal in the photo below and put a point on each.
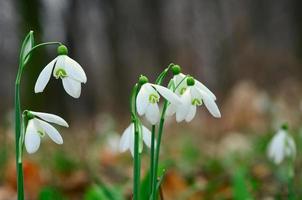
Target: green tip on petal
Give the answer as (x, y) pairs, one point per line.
(62, 50)
(190, 81)
(285, 126)
(142, 80)
(176, 69)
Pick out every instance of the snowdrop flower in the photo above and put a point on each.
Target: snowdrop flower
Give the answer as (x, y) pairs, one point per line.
(148, 98)
(65, 68)
(281, 146)
(127, 139)
(38, 127)
(192, 94)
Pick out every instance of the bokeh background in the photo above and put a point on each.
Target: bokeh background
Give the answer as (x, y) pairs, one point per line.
(249, 53)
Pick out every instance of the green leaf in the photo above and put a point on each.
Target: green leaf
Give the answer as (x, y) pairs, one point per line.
(27, 45)
(50, 193)
(240, 190)
(95, 193)
(145, 187)
(159, 182)
(102, 192)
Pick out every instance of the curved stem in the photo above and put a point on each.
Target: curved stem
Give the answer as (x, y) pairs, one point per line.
(41, 45)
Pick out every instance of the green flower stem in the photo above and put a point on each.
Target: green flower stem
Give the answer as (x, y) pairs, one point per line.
(20, 187)
(152, 157)
(18, 123)
(137, 163)
(157, 150)
(41, 45)
(290, 184)
(161, 126)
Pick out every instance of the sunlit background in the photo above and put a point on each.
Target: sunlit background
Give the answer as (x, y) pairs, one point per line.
(249, 53)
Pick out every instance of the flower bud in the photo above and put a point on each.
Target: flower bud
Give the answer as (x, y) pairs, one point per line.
(62, 50)
(142, 80)
(190, 81)
(176, 69)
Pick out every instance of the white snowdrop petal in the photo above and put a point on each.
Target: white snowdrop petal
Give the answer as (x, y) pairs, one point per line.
(171, 109)
(124, 141)
(191, 113)
(152, 113)
(292, 146)
(50, 118)
(205, 89)
(146, 136)
(44, 77)
(179, 79)
(72, 87)
(180, 82)
(142, 101)
(74, 70)
(32, 139)
(167, 94)
(195, 93)
(183, 109)
(210, 104)
(131, 140)
(276, 147)
(60, 63)
(50, 131)
(32, 142)
(148, 87)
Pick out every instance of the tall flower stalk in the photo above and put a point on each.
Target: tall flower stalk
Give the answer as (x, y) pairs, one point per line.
(37, 128)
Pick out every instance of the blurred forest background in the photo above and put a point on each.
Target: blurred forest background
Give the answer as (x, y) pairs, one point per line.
(248, 52)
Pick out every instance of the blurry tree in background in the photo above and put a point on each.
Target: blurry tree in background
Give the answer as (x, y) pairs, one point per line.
(115, 40)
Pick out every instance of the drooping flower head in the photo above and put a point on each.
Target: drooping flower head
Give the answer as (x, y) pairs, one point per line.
(127, 139)
(66, 69)
(281, 146)
(148, 98)
(192, 94)
(38, 126)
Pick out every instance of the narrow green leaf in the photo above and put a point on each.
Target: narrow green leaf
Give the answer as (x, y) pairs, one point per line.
(102, 192)
(50, 193)
(145, 187)
(27, 45)
(159, 182)
(240, 190)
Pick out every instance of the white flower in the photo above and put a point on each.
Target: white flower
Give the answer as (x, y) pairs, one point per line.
(191, 96)
(148, 98)
(37, 127)
(281, 146)
(180, 80)
(127, 139)
(67, 69)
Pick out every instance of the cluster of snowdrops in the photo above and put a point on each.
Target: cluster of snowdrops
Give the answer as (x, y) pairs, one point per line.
(181, 97)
